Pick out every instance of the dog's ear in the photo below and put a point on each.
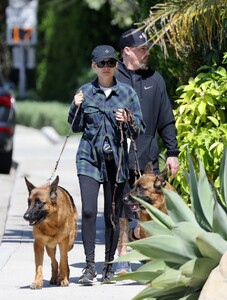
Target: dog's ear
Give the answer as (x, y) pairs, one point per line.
(158, 183)
(163, 175)
(149, 168)
(53, 189)
(30, 186)
(160, 180)
(55, 182)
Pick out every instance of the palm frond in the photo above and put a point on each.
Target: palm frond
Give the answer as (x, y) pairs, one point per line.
(187, 25)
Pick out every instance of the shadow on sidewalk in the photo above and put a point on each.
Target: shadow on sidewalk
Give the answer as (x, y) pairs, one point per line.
(24, 235)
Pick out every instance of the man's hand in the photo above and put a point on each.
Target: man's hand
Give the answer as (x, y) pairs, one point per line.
(172, 164)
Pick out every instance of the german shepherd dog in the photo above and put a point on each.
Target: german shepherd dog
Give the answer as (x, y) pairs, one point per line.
(147, 188)
(53, 215)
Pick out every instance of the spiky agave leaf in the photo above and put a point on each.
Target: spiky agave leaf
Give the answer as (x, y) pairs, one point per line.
(181, 240)
(198, 270)
(178, 210)
(169, 282)
(154, 228)
(171, 294)
(192, 296)
(172, 284)
(142, 277)
(188, 233)
(168, 248)
(156, 214)
(132, 255)
(158, 264)
(219, 219)
(206, 197)
(169, 279)
(176, 284)
(211, 245)
(146, 272)
(223, 177)
(195, 199)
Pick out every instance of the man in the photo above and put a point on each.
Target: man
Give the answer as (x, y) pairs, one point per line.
(157, 115)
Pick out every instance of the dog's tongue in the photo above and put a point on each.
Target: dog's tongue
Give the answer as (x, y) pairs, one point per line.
(135, 207)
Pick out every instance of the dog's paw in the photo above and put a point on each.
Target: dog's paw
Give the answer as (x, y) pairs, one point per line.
(53, 281)
(36, 286)
(64, 282)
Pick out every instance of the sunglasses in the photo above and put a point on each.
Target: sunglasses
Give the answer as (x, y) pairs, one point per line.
(110, 63)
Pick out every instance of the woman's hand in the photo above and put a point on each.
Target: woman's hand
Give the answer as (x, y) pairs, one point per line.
(121, 115)
(78, 98)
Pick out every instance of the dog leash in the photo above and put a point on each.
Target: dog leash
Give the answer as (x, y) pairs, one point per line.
(63, 147)
(131, 123)
(112, 217)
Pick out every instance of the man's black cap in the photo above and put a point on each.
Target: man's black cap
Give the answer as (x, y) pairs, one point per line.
(103, 52)
(133, 38)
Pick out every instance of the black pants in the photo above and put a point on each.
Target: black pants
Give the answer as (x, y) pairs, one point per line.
(89, 189)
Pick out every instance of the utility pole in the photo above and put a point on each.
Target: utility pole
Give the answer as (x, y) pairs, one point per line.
(21, 21)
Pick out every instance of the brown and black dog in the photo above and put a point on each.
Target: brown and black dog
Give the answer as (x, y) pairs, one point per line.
(53, 215)
(147, 187)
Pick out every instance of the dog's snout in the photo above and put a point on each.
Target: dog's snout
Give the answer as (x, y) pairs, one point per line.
(128, 199)
(26, 216)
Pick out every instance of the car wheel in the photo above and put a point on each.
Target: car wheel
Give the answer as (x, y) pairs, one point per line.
(5, 162)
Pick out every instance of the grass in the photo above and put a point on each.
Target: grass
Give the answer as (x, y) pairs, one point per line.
(38, 114)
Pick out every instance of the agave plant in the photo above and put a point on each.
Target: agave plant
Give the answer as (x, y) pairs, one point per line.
(185, 245)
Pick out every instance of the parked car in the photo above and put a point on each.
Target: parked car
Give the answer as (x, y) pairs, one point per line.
(7, 126)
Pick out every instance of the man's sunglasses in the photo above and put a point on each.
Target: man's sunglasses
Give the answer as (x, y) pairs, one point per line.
(110, 63)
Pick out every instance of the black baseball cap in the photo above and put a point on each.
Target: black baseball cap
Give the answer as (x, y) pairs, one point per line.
(103, 52)
(133, 38)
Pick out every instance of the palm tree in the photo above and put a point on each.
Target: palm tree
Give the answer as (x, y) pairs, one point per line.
(187, 26)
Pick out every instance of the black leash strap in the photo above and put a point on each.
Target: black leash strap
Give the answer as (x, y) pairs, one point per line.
(137, 169)
(112, 218)
(63, 147)
(131, 122)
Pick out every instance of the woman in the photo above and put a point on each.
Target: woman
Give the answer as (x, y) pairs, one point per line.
(99, 111)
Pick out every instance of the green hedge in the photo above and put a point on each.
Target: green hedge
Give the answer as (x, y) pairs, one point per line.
(37, 114)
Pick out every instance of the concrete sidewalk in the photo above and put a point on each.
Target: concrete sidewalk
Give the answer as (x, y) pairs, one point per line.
(36, 157)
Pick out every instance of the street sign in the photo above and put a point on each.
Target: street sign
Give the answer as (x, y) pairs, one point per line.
(21, 21)
(17, 57)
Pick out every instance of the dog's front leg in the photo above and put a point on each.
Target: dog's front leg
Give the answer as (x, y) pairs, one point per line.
(39, 252)
(64, 267)
(54, 265)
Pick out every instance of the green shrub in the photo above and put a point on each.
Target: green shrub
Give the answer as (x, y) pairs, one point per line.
(201, 122)
(38, 114)
(185, 245)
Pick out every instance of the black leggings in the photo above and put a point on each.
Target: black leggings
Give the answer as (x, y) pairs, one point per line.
(89, 189)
